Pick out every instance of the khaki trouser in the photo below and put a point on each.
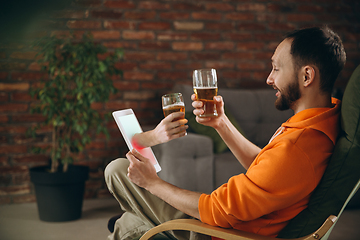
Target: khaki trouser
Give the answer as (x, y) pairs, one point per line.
(143, 210)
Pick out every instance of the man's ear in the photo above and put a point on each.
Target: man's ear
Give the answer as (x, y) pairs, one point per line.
(308, 74)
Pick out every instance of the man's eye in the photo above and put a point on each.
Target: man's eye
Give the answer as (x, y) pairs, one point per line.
(275, 69)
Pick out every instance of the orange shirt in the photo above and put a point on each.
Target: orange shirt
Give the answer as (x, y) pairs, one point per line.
(278, 184)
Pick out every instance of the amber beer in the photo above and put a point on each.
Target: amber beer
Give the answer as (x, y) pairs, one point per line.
(206, 95)
(177, 107)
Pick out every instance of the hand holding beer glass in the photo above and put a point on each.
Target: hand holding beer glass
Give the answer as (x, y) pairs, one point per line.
(205, 88)
(173, 102)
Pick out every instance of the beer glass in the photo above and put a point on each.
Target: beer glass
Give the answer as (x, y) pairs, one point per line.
(205, 88)
(173, 102)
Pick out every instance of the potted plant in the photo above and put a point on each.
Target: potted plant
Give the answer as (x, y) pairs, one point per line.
(79, 75)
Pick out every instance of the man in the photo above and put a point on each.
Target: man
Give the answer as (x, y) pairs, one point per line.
(280, 177)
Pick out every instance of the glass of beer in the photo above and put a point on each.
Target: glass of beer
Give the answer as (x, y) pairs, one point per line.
(205, 88)
(173, 102)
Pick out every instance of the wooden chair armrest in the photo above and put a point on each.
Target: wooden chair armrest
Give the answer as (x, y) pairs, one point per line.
(228, 234)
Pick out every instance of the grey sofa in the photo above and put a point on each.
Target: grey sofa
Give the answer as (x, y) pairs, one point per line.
(189, 162)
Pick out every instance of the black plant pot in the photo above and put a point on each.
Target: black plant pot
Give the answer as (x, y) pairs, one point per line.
(59, 195)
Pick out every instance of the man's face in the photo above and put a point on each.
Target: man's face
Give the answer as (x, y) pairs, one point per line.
(283, 77)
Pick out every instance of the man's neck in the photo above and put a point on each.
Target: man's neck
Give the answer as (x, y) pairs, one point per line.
(320, 101)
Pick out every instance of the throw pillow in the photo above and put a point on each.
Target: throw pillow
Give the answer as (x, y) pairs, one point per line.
(219, 144)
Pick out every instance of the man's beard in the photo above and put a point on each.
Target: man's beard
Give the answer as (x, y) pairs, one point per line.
(288, 96)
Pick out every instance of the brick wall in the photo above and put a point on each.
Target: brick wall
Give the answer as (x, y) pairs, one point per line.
(163, 42)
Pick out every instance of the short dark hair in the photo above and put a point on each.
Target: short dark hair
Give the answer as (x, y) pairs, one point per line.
(320, 47)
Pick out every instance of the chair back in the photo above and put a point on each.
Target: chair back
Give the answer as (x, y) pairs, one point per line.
(343, 172)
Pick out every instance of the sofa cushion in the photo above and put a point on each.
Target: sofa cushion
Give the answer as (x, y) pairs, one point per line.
(342, 173)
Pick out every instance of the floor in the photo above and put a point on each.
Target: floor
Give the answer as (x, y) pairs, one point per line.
(21, 221)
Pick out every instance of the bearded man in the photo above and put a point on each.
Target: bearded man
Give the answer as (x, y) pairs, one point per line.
(280, 178)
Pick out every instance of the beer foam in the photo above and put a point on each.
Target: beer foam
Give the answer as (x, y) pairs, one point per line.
(205, 87)
(181, 104)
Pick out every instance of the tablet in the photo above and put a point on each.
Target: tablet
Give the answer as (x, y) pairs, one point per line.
(129, 126)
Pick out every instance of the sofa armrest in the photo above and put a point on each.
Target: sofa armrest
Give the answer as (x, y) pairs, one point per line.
(187, 162)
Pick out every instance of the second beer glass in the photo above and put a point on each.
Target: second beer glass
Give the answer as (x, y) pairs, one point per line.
(173, 102)
(205, 88)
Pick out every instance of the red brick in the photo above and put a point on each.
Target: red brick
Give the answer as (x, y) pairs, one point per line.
(219, 6)
(31, 159)
(119, 25)
(138, 76)
(23, 55)
(173, 75)
(154, 46)
(13, 107)
(282, 26)
(220, 26)
(153, 85)
(8, 149)
(4, 75)
(205, 56)
(97, 106)
(126, 86)
(106, 34)
(118, 44)
(220, 45)
(300, 17)
(172, 36)
(237, 55)
(139, 95)
(95, 145)
(238, 36)
(220, 65)
(126, 65)
(4, 97)
(139, 56)
(139, 35)
(256, 7)
(171, 56)
(250, 45)
(283, 8)
(205, 36)
(187, 46)
(121, 105)
(236, 75)
(77, 24)
(34, 66)
(175, 15)
(251, 26)
(156, 65)
(13, 129)
(26, 118)
(104, 193)
(29, 76)
(12, 66)
(106, 14)
(250, 66)
(154, 26)
(188, 6)
(240, 16)
(4, 118)
(21, 97)
(268, 36)
(153, 5)
(140, 15)
(189, 26)
(13, 169)
(119, 4)
(206, 16)
(188, 65)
